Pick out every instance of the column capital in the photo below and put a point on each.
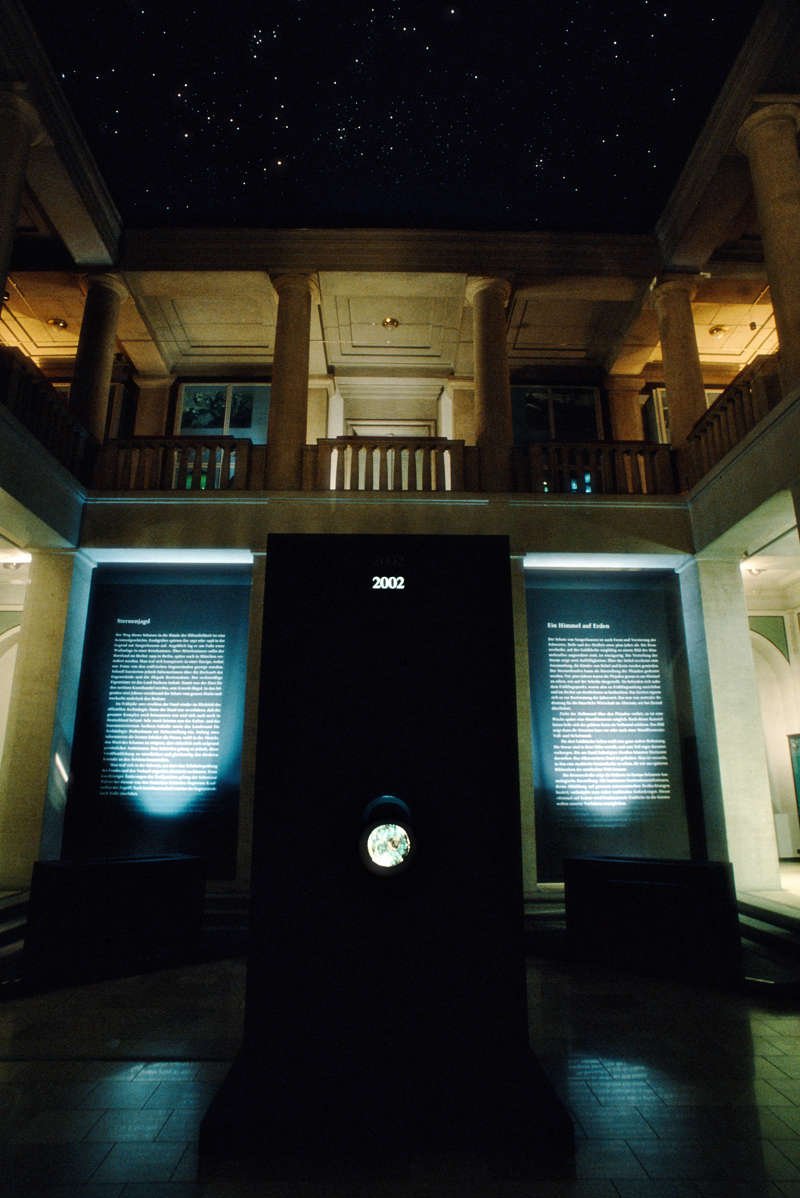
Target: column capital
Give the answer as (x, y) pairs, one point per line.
(766, 115)
(12, 100)
(296, 280)
(479, 283)
(625, 382)
(667, 285)
(109, 282)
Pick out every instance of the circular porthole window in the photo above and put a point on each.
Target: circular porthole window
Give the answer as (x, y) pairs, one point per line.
(387, 840)
(388, 845)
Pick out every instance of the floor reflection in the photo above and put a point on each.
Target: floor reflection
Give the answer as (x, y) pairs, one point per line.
(675, 1091)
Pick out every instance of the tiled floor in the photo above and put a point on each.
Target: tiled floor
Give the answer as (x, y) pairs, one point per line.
(675, 1091)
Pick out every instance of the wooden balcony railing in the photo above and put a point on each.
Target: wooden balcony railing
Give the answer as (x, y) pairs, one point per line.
(595, 468)
(386, 464)
(174, 464)
(743, 403)
(35, 403)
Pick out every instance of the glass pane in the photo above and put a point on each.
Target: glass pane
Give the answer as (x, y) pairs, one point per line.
(530, 409)
(574, 414)
(249, 414)
(203, 409)
(241, 409)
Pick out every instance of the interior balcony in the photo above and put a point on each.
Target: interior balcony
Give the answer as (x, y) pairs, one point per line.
(394, 464)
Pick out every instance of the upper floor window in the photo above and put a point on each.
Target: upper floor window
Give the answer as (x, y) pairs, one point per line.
(223, 410)
(655, 412)
(556, 414)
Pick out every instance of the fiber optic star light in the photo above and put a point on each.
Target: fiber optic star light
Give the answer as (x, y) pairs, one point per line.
(387, 841)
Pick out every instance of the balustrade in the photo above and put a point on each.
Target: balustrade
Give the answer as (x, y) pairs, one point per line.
(43, 411)
(402, 465)
(740, 407)
(174, 464)
(385, 464)
(595, 468)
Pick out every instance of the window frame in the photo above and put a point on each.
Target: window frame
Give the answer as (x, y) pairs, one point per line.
(252, 434)
(550, 393)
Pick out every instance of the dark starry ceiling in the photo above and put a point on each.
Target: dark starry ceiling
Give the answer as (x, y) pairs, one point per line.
(567, 114)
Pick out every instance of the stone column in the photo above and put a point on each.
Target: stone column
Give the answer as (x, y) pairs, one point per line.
(769, 139)
(19, 131)
(288, 410)
(683, 376)
(493, 432)
(96, 348)
(27, 758)
(727, 717)
(625, 403)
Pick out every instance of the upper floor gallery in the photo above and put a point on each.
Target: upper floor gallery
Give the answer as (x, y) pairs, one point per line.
(402, 361)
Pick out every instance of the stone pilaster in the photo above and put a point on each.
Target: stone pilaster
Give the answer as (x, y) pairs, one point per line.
(19, 131)
(683, 376)
(288, 411)
(727, 716)
(96, 348)
(769, 139)
(27, 760)
(493, 429)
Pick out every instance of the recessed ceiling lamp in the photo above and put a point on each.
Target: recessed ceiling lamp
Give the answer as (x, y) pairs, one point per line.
(717, 331)
(57, 322)
(390, 322)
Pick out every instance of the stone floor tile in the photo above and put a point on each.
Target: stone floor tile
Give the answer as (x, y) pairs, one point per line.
(759, 1158)
(789, 1087)
(77, 1071)
(790, 1147)
(571, 1188)
(623, 1123)
(182, 1124)
(125, 1095)
(79, 1190)
(182, 1094)
(55, 1127)
(212, 1071)
(55, 1164)
(137, 1161)
(606, 1158)
(165, 1189)
(630, 1188)
(743, 1122)
(680, 1160)
(187, 1168)
(731, 1188)
(787, 1063)
(122, 1124)
(168, 1071)
(790, 1116)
